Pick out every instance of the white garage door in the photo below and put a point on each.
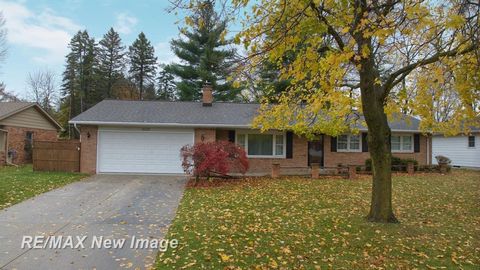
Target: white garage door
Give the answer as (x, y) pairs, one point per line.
(139, 151)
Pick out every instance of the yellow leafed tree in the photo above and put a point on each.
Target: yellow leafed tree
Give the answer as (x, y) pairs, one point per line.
(374, 58)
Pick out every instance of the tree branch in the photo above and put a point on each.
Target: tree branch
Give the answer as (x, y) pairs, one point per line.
(403, 72)
(330, 29)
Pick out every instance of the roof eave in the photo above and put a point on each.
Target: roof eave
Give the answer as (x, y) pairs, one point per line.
(47, 115)
(139, 124)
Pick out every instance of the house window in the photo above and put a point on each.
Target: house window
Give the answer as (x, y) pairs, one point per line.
(241, 140)
(402, 143)
(348, 143)
(279, 145)
(471, 141)
(262, 145)
(28, 145)
(29, 138)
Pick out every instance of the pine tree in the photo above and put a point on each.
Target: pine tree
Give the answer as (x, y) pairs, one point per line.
(166, 85)
(269, 84)
(111, 61)
(204, 56)
(79, 90)
(142, 63)
(149, 92)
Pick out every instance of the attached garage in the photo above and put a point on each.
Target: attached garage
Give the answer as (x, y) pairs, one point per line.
(141, 150)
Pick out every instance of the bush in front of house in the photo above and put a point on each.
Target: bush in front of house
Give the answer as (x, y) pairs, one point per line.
(398, 164)
(213, 158)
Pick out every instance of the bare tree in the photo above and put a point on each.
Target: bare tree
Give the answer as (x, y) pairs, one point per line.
(3, 38)
(6, 96)
(42, 88)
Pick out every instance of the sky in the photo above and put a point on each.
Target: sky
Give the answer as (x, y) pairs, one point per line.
(40, 30)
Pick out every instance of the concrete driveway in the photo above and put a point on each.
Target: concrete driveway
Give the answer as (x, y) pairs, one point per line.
(112, 206)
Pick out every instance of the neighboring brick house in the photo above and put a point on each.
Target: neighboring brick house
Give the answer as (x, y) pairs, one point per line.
(20, 124)
(146, 136)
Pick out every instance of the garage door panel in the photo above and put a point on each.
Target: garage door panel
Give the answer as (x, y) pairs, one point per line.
(142, 152)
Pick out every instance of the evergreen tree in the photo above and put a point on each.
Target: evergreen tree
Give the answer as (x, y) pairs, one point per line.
(79, 79)
(142, 63)
(111, 61)
(149, 92)
(269, 84)
(166, 85)
(204, 56)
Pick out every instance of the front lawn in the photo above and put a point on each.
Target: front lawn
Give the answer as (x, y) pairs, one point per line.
(296, 223)
(19, 184)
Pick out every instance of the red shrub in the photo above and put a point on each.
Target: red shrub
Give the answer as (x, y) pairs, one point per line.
(220, 157)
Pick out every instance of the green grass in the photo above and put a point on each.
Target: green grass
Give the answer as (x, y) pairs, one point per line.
(19, 184)
(296, 223)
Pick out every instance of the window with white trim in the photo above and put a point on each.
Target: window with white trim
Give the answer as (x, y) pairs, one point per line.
(349, 143)
(401, 143)
(262, 144)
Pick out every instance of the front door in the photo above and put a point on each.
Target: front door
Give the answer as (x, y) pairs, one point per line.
(315, 151)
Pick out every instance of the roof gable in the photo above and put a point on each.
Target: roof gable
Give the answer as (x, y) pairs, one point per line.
(26, 114)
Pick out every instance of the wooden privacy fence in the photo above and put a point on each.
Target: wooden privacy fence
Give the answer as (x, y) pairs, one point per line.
(60, 156)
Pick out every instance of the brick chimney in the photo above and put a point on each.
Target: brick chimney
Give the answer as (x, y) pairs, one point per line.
(207, 98)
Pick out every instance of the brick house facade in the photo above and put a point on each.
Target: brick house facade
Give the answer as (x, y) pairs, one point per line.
(21, 123)
(17, 141)
(333, 159)
(260, 165)
(88, 149)
(120, 136)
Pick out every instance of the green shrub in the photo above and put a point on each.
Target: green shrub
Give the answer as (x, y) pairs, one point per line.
(396, 163)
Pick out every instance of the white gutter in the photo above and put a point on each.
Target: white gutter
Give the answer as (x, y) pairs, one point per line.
(140, 124)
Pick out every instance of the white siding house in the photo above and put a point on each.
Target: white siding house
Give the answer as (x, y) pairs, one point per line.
(464, 151)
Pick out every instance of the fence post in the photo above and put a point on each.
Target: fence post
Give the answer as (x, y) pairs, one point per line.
(352, 171)
(410, 168)
(315, 170)
(275, 170)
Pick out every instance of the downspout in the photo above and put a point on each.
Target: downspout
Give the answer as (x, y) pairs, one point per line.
(428, 150)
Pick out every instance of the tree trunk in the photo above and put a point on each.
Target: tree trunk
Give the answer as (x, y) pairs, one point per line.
(373, 100)
(379, 148)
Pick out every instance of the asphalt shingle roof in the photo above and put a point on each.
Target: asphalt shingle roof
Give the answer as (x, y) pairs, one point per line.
(9, 108)
(189, 113)
(166, 112)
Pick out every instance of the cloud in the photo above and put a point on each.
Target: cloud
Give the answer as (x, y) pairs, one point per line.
(125, 23)
(41, 30)
(164, 53)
